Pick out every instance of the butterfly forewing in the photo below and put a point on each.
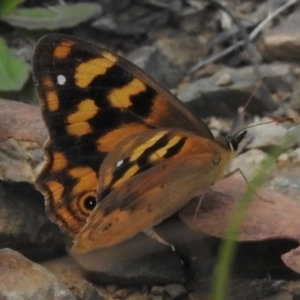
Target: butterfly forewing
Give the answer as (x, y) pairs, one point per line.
(91, 100)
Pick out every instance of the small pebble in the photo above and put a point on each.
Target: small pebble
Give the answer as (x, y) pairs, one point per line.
(122, 293)
(176, 291)
(111, 288)
(157, 297)
(157, 290)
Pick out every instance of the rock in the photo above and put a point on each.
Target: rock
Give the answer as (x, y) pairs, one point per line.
(294, 156)
(266, 135)
(139, 296)
(283, 41)
(207, 97)
(248, 162)
(67, 270)
(137, 261)
(157, 290)
(157, 298)
(176, 291)
(286, 180)
(166, 60)
(20, 161)
(88, 292)
(111, 288)
(122, 293)
(23, 222)
(22, 279)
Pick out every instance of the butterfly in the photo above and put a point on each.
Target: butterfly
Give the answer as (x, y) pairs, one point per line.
(123, 153)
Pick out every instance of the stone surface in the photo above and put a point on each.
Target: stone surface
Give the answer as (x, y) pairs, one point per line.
(248, 162)
(176, 291)
(22, 279)
(23, 222)
(67, 270)
(137, 261)
(282, 42)
(157, 290)
(166, 60)
(20, 161)
(266, 135)
(207, 97)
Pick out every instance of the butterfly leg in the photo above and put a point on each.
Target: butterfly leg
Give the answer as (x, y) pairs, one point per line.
(238, 170)
(199, 204)
(184, 256)
(151, 233)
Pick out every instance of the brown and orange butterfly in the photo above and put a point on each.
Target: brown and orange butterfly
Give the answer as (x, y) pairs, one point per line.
(123, 153)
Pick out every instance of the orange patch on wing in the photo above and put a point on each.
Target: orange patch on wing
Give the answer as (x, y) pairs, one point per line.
(86, 110)
(52, 101)
(159, 109)
(121, 97)
(79, 129)
(59, 161)
(63, 49)
(87, 71)
(109, 56)
(162, 151)
(57, 190)
(107, 142)
(129, 173)
(139, 150)
(87, 179)
(65, 215)
(48, 82)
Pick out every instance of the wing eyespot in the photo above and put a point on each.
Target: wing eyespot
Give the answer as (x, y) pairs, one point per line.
(90, 203)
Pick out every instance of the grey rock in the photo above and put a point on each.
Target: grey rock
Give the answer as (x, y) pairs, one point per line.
(22, 279)
(157, 298)
(24, 225)
(176, 291)
(142, 260)
(167, 60)
(248, 162)
(207, 97)
(20, 161)
(157, 290)
(137, 261)
(283, 41)
(266, 135)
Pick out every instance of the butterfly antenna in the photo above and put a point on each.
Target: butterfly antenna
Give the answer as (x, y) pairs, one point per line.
(241, 110)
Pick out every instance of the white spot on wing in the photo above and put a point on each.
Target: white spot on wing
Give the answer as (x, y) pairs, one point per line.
(119, 163)
(61, 79)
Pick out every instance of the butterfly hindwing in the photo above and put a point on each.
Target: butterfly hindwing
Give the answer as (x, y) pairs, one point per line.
(91, 100)
(146, 178)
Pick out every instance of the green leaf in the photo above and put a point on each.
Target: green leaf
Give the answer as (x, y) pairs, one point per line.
(53, 17)
(13, 71)
(7, 6)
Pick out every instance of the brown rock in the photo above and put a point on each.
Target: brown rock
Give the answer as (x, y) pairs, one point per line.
(22, 279)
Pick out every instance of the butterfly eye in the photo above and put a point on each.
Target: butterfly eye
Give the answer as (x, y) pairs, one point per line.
(90, 203)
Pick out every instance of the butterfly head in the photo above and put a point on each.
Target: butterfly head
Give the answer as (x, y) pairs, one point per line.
(231, 143)
(235, 140)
